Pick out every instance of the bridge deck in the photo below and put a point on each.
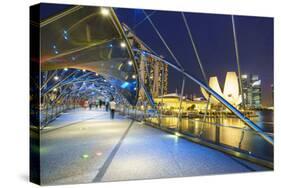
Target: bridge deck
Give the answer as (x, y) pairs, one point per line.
(84, 146)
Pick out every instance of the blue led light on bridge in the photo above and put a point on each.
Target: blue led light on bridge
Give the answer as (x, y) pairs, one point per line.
(65, 35)
(124, 85)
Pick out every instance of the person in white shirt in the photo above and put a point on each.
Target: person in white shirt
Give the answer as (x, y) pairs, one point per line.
(112, 105)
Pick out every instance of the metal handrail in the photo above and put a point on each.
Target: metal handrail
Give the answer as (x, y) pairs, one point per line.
(211, 123)
(228, 148)
(218, 125)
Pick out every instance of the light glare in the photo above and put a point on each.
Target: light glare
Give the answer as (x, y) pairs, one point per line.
(123, 44)
(104, 11)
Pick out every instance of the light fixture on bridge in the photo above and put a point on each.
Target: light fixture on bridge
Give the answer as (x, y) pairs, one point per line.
(65, 69)
(123, 45)
(177, 134)
(84, 70)
(130, 62)
(99, 153)
(85, 156)
(134, 76)
(55, 89)
(65, 35)
(56, 78)
(244, 76)
(105, 11)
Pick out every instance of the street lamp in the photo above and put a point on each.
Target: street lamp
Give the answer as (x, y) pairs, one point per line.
(56, 78)
(123, 44)
(130, 63)
(105, 11)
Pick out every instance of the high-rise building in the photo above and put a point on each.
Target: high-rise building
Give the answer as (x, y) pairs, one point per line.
(152, 72)
(251, 85)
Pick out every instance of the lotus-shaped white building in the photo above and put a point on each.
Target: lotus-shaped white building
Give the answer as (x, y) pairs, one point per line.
(230, 90)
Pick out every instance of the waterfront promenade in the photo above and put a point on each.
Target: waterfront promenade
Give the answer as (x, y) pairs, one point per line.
(83, 146)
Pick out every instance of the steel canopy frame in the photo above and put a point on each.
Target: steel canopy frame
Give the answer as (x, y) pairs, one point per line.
(118, 25)
(239, 114)
(114, 22)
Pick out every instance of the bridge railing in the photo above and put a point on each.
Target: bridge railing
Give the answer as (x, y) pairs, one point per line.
(238, 140)
(48, 113)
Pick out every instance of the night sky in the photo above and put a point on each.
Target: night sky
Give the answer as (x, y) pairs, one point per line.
(213, 37)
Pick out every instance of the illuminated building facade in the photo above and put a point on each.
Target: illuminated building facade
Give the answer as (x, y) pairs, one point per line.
(171, 102)
(230, 91)
(251, 85)
(152, 72)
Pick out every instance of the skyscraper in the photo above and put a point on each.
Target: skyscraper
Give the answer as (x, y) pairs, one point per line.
(152, 71)
(251, 85)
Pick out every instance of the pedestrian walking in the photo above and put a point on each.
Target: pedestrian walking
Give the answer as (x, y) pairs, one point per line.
(97, 103)
(100, 103)
(106, 106)
(112, 105)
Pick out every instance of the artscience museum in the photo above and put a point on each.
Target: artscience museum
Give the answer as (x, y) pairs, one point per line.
(230, 91)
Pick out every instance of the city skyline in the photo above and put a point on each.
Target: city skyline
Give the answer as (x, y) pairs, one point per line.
(214, 39)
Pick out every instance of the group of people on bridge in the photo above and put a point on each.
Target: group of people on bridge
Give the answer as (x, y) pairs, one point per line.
(108, 105)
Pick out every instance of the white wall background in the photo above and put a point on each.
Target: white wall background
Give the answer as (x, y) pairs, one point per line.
(14, 89)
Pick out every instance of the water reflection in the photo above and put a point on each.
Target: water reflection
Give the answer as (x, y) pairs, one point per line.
(230, 132)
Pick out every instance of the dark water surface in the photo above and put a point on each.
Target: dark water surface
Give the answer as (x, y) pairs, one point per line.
(229, 132)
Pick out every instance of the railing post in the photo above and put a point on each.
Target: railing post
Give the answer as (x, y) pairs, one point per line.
(180, 107)
(47, 112)
(217, 135)
(135, 107)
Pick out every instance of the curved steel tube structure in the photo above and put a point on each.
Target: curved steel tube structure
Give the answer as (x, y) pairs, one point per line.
(94, 47)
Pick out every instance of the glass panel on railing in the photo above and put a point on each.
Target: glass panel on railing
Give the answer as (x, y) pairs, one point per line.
(255, 145)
